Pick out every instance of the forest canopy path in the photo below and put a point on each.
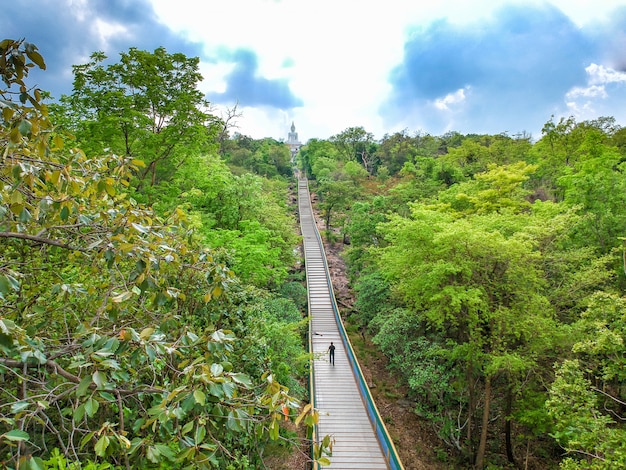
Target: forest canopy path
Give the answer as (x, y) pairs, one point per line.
(339, 392)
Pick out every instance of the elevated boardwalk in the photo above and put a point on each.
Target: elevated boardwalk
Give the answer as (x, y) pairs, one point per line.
(339, 392)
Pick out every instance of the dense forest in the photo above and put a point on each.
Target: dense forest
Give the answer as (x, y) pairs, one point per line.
(490, 271)
(153, 313)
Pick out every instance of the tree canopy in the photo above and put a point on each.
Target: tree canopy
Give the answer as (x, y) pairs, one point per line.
(122, 332)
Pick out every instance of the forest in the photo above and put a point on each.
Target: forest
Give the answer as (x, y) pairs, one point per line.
(153, 309)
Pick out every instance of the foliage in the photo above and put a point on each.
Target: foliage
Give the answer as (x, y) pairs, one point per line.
(146, 106)
(478, 268)
(266, 157)
(97, 355)
(587, 395)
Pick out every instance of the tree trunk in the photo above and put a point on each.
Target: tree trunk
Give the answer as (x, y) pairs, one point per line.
(507, 426)
(480, 456)
(470, 413)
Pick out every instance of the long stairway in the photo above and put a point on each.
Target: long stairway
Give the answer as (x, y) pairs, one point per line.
(338, 392)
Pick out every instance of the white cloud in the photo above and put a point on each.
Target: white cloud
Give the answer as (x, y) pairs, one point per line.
(107, 30)
(451, 99)
(593, 100)
(599, 74)
(593, 91)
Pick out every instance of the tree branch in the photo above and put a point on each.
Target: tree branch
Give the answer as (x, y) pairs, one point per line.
(38, 239)
(14, 364)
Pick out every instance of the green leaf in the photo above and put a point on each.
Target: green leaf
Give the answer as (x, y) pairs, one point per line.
(242, 379)
(199, 397)
(25, 127)
(323, 461)
(7, 283)
(19, 406)
(200, 434)
(91, 407)
(217, 369)
(102, 445)
(86, 438)
(153, 454)
(65, 213)
(79, 412)
(165, 451)
(273, 428)
(16, 435)
(187, 427)
(36, 463)
(99, 379)
(229, 389)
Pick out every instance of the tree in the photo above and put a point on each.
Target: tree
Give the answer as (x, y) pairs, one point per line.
(597, 185)
(315, 150)
(480, 290)
(147, 106)
(587, 396)
(356, 144)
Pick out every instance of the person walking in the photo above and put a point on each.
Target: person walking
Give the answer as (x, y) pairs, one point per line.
(331, 350)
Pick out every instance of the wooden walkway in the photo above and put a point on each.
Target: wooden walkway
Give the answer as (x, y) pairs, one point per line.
(337, 397)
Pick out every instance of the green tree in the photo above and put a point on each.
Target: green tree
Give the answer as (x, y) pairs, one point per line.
(481, 291)
(587, 396)
(355, 143)
(311, 154)
(597, 185)
(146, 106)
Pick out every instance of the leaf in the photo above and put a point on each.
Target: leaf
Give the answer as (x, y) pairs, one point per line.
(323, 461)
(65, 213)
(99, 379)
(91, 407)
(229, 389)
(19, 406)
(102, 445)
(140, 228)
(242, 379)
(88, 437)
(16, 435)
(199, 397)
(25, 127)
(36, 58)
(79, 413)
(36, 463)
(274, 428)
(200, 434)
(58, 143)
(153, 454)
(165, 451)
(187, 427)
(122, 297)
(123, 441)
(217, 369)
(304, 412)
(146, 333)
(7, 283)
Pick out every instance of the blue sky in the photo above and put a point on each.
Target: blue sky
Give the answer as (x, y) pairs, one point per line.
(471, 66)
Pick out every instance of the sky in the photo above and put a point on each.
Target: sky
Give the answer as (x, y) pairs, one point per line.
(468, 66)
